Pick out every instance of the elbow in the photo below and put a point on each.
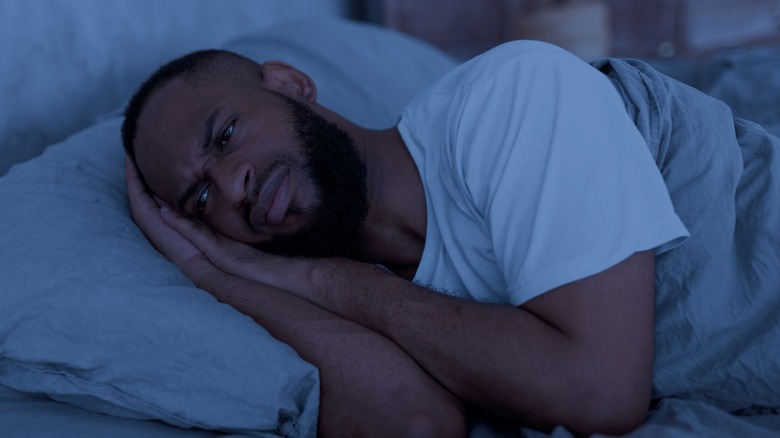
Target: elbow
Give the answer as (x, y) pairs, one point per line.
(612, 411)
(430, 413)
(441, 416)
(611, 400)
(609, 408)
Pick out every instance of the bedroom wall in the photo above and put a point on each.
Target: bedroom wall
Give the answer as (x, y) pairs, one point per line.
(66, 61)
(589, 28)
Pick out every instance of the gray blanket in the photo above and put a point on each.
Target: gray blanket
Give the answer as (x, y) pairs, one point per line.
(717, 364)
(717, 348)
(747, 79)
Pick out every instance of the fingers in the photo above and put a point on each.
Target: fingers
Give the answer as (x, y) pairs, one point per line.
(139, 198)
(200, 236)
(145, 205)
(134, 184)
(147, 215)
(161, 202)
(227, 254)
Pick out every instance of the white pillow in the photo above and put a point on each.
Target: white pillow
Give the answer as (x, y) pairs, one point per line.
(92, 315)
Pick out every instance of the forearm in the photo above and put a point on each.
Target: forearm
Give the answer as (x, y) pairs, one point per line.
(462, 344)
(499, 358)
(579, 355)
(368, 385)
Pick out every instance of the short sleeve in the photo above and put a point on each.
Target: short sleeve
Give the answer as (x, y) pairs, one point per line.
(563, 181)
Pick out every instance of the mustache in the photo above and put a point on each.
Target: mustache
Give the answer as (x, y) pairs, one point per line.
(253, 194)
(251, 198)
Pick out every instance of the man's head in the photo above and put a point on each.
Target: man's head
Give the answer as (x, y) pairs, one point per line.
(238, 145)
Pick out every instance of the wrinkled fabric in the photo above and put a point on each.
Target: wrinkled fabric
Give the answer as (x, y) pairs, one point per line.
(718, 296)
(748, 80)
(673, 418)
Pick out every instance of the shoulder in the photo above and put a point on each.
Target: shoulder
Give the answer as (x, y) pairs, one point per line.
(518, 57)
(520, 49)
(513, 61)
(522, 72)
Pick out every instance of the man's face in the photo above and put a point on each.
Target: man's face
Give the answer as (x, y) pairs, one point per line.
(257, 166)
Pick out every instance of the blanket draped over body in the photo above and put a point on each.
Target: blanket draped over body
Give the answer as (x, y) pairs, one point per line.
(717, 333)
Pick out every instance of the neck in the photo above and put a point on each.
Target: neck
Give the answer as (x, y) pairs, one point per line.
(394, 231)
(393, 234)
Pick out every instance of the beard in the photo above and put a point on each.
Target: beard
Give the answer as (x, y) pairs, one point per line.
(333, 165)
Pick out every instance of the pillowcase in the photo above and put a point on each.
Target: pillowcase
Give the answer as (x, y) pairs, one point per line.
(92, 315)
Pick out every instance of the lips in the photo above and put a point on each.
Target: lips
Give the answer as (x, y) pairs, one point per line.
(274, 200)
(280, 201)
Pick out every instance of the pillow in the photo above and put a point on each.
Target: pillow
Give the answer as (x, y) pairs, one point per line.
(92, 315)
(66, 62)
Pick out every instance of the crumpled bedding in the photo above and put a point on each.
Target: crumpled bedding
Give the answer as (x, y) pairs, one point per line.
(717, 363)
(747, 79)
(676, 418)
(717, 332)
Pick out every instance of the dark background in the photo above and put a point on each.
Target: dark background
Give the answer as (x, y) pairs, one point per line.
(589, 28)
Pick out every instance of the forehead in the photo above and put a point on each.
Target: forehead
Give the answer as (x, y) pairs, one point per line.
(170, 132)
(171, 112)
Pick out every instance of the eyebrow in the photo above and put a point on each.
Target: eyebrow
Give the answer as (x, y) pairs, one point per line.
(208, 132)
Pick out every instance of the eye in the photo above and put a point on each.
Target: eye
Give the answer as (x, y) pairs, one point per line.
(225, 137)
(200, 203)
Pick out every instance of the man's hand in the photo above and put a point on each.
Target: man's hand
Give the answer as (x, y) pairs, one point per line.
(235, 258)
(579, 355)
(146, 214)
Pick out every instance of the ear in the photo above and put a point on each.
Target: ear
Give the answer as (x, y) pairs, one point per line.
(286, 79)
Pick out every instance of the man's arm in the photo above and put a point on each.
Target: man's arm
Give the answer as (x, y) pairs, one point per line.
(369, 386)
(579, 355)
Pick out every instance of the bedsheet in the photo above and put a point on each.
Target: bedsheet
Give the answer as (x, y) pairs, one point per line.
(35, 415)
(676, 418)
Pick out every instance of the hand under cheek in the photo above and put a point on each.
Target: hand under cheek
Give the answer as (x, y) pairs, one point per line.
(237, 228)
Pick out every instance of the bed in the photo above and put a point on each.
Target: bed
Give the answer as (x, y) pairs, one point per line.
(99, 334)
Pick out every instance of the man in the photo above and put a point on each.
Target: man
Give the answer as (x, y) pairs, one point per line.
(516, 208)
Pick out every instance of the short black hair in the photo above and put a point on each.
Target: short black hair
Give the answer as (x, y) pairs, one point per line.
(205, 65)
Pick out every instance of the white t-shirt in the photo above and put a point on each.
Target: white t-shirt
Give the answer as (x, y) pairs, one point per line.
(534, 176)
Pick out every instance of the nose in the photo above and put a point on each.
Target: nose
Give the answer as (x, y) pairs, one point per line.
(232, 179)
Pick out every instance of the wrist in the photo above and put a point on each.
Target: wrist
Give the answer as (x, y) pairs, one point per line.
(327, 282)
(200, 270)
